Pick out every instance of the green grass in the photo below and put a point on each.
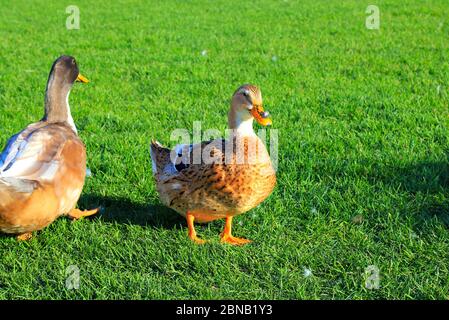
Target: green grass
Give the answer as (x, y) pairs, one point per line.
(363, 134)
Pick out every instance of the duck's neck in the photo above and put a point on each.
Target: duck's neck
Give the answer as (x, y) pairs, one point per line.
(57, 107)
(242, 124)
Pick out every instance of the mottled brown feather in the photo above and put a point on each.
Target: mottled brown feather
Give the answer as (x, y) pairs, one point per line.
(219, 189)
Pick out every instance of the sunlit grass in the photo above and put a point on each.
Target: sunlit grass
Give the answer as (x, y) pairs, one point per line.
(363, 168)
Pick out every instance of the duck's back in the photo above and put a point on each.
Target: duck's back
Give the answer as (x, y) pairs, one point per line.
(42, 172)
(35, 153)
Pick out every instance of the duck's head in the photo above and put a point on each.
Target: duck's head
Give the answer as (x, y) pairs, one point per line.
(65, 72)
(247, 105)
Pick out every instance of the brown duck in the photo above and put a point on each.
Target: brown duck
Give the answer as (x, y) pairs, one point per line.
(231, 176)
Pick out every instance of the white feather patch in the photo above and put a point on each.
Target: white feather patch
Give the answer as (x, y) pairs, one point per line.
(176, 186)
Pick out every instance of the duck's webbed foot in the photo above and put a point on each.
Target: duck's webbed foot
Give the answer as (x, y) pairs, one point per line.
(24, 236)
(227, 237)
(76, 214)
(192, 233)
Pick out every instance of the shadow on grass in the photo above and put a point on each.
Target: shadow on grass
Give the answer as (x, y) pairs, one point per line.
(124, 211)
(421, 177)
(430, 180)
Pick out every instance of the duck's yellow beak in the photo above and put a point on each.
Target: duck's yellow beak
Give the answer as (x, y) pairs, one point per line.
(82, 79)
(261, 116)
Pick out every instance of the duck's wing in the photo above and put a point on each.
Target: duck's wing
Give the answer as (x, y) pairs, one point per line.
(34, 153)
(18, 185)
(7, 151)
(12, 189)
(201, 155)
(167, 163)
(15, 144)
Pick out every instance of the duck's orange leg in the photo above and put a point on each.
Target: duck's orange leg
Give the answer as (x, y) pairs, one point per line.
(227, 237)
(24, 236)
(192, 233)
(77, 213)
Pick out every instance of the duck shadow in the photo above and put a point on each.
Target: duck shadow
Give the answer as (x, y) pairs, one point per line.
(427, 180)
(429, 177)
(124, 211)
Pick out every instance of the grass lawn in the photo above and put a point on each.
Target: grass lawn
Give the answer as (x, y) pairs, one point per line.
(363, 177)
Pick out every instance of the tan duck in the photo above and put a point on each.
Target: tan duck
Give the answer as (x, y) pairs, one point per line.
(218, 179)
(42, 168)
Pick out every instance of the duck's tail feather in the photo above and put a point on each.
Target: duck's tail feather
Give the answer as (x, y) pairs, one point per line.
(160, 158)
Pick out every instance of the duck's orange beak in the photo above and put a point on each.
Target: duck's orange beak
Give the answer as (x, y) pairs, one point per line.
(261, 116)
(82, 78)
